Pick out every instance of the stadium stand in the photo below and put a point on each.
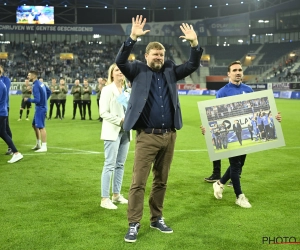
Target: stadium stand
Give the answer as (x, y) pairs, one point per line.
(274, 51)
(223, 55)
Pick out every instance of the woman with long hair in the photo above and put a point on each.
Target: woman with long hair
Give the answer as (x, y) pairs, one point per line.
(112, 107)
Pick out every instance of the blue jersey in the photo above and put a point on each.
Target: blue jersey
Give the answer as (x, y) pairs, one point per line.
(259, 120)
(6, 81)
(231, 89)
(254, 125)
(3, 99)
(265, 119)
(41, 93)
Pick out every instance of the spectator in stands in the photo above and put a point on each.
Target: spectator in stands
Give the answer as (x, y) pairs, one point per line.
(280, 68)
(155, 125)
(76, 92)
(275, 71)
(26, 93)
(86, 92)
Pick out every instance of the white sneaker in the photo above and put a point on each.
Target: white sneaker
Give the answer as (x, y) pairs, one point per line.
(218, 190)
(120, 199)
(37, 146)
(41, 150)
(242, 201)
(108, 204)
(19, 119)
(15, 158)
(27, 119)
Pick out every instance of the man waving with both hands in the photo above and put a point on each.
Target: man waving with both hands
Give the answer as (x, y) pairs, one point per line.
(154, 112)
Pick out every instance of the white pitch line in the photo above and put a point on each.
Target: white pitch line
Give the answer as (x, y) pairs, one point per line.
(87, 152)
(73, 149)
(68, 153)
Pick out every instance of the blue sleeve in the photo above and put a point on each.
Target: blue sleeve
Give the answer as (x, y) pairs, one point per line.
(48, 91)
(36, 94)
(7, 82)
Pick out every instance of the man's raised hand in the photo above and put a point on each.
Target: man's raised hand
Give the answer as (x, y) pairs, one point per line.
(189, 34)
(137, 27)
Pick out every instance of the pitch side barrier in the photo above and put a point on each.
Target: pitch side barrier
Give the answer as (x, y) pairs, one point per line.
(280, 90)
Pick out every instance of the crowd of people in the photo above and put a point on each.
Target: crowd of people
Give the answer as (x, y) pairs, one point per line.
(90, 60)
(236, 109)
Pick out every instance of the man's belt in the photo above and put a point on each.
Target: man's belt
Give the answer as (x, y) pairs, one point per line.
(158, 131)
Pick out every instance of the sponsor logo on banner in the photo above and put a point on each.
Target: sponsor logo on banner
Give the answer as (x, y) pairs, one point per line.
(258, 86)
(188, 86)
(246, 78)
(281, 85)
(182, 92)
(285, 94)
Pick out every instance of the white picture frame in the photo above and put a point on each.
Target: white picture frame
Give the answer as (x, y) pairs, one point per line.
(240, 109)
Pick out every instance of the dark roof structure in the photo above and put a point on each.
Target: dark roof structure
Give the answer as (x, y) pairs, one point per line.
(121, 11)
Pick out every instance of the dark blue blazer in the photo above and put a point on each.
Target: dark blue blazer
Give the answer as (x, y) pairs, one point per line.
(140, 76)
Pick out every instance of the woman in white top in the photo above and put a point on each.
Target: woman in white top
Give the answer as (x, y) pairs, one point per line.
(112, 107)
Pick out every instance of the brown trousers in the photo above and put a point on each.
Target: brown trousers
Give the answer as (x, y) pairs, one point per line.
(150, 149)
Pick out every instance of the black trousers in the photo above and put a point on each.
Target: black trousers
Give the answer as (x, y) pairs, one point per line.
(75, 104)
(56, 102)
(233, 172)
(86, 103)
(4, 135)
(62, 103)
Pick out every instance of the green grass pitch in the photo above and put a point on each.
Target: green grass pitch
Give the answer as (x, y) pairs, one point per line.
(51, 200)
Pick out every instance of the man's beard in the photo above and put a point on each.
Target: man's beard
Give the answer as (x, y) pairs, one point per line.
(156, 66)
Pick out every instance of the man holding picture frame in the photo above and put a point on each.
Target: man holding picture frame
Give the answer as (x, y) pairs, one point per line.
(234, 87)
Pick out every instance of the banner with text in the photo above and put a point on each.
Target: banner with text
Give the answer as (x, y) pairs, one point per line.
(221, 26)
(107, 29)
